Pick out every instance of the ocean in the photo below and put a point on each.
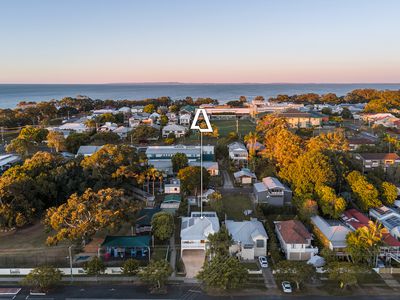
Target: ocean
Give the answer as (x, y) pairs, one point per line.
(12, 94)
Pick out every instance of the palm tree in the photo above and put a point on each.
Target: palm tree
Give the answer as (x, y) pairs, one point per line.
(251, 140)
(161, 178)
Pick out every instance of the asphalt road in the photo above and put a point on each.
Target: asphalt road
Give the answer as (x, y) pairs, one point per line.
(184, 292)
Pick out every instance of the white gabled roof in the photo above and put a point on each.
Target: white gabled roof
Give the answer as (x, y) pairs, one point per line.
(196, 228)
(174, 127)
(272, 182)
(246, 232)
(335, 233)
(236, 146)
(244, 172)
(88, 150)
(260, 187)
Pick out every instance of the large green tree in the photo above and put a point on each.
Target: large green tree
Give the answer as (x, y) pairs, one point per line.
(162, 225)
(190, 179)
(219, 242)
(179, 161)
(223, 272)
(329, 202)
(156, 273)
(43, 278)
(296, 271)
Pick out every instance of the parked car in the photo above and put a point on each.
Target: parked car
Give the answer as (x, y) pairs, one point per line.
(286, 287)
(263, 261)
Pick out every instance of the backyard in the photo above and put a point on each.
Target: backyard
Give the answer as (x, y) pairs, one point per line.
(236, 204)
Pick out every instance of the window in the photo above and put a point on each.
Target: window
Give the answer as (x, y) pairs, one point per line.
(260, 243)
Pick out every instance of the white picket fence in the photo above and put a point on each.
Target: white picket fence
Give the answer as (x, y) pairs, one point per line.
(65, 271)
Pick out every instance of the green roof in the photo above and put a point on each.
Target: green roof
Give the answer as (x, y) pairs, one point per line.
(172, 198)
(189, 108)
(127, 241)
(145, 215)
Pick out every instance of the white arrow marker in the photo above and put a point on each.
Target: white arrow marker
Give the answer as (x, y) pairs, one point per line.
(206, 119)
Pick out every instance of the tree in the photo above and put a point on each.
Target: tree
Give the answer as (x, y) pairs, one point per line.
(95, 266)
(82, 216)
(296, 271)
(251, 140)
(43, 278)
(20, 146)
(388, 193)
(162, 225)
(345, 273)
(156, 273)
(307, 208)
(364, 192)
(149, 108)
(179, 161)
(56, 140)
(143, 133)
(75, 140)
(333, 141)
(190, 179)
(105, 137)
(130, 267)
(364, 243)
(346, 114)
(219, 242)
(223, 272)
(329, 202)
(163, 120)
(309, 170)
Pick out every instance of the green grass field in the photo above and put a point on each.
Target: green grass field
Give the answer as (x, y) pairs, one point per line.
(235, 205)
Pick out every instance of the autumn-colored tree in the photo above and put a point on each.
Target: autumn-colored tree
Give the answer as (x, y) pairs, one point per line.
(329, 202)
(56, 140)
(388, 193)
(309, 170)
(306, 207)
(149, 108)
(363, 191)
(333, 141)
(364, 243)
(190, 179)
(82, 216)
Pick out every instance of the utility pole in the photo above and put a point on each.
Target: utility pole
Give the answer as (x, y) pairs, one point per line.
(201, 174)
(70, 261)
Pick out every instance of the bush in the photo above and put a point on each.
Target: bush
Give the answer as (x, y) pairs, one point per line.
(95, 266)
(130, 267)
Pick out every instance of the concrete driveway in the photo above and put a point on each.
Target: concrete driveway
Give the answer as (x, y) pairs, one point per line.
(193, 260)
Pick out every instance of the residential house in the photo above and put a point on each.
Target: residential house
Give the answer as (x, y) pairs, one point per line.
(177, 130)
(357, 142)
(371, 161)
(249, 237)
(185, 119)
(122, 131)
(124, 247)
(108, 127)
(271, 191)
(125, 110)
(173, 187)
(171, 203)
(172, 117)
(257, 147)
(187, 109)
(88, 150)
(355, 219)
(211, 166)
(238, 153)
(388, 217)
(196, 229)
(331, 233)
(68, 128)
(244, 176)
(8, 160)
(154, 116)
(303, 119)
(160, 156)
(295, 240)
(143, 220)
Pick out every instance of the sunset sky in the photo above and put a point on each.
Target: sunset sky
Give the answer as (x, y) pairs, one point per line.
(75, 41)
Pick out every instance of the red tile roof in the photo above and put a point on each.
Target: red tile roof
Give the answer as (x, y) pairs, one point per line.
(293, 232)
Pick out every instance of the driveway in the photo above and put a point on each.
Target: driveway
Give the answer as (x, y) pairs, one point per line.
(193, 260)
(228, 185)
(269, 279)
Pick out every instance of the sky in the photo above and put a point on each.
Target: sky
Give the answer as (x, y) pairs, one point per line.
(210, 41)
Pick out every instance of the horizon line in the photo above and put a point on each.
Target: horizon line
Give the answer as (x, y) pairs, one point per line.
(187, 83)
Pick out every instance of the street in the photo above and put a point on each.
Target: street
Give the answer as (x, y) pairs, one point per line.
(185, 292)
